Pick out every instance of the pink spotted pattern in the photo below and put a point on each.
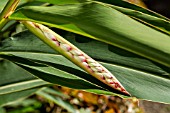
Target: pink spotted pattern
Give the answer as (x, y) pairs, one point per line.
(94, 67)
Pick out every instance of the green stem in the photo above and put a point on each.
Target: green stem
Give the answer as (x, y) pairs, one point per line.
(7, 11)
(75, 55)
(3, 23)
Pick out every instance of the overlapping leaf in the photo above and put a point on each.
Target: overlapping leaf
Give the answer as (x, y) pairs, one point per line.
(2, 4)
(142, 78)
(16, 83)
(103, 22)
(106, 24)
(143, 15)
(127, 5)
(50, 74)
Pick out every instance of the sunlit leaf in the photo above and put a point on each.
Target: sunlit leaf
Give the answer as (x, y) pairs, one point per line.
(105, 24)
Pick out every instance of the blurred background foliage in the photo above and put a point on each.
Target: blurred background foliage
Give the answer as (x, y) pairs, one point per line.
(57, 99)
(63, 100)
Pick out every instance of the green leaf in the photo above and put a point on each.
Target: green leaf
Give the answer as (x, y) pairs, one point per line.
(152, 21)
(26, 103)
(48, 73)
(144, 15)
(143, 78)
(57, 100)
(124, 4)
(2, 4)
(54, 92)
(12, 97)
(61, 2)
(105, 24)
(15, 83)
(21, 86)
(2, 110)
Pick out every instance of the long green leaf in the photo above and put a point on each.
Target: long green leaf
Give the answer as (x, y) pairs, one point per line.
(119, 3)
(16, 87)
(141, 77)
(105, 24)
(55, 92)
(148, 17)
(61, 2)
(153, 21)
(122, 3)
(51, 74)
(143, 15)
(2, 4)
(15, 83)
(32, 46)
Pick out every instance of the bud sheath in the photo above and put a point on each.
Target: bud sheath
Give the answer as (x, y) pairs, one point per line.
(72, 53)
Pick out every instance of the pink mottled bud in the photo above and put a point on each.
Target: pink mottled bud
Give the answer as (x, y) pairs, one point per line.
(94, 64)
(118, 88)
(94, 69)
(90, 60)
(54, 39)
(100, 75)
(123, 90)
(117, 85)
(107, 75)
(66, 47)
(109, 80)
(56, 43)
(85, 64)
(69, 54)
(33, 24)
(76, 52)
(49, 35)
(103, 78)
(97, 69)
(80, 58)
(112, 82)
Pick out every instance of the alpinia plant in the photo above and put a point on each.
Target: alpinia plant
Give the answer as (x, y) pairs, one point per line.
(75, 55)
(130, 55)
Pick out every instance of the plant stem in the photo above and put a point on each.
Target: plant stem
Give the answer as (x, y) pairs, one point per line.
(3, 23)
(7, 11)
(75, 55)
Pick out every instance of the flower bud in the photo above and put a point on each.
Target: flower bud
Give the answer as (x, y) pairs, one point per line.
(76, 52)
(80, 58)
(66, 47)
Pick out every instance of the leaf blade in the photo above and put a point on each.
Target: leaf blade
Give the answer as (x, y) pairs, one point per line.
(149, 78)
(101, 22)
